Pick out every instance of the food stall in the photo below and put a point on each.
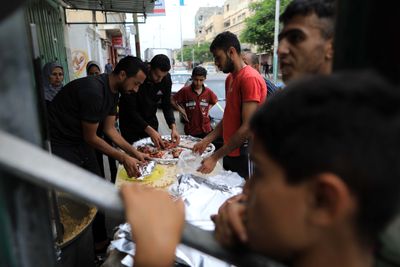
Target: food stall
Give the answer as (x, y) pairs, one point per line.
(202, 196)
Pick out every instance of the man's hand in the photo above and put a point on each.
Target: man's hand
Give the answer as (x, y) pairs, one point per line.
(130, 165)
(157, 224)
(229, 223)
(208, 164)
(184, 115)
(175, 137)
(141, 156)
(155, 137)
(200, 146)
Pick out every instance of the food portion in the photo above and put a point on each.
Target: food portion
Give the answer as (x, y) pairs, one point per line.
(171, 151)
(176, 152)
(168, 144)
(161, 177)
(187, 143)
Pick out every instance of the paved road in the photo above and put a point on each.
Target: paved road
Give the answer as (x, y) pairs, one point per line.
(163, 128)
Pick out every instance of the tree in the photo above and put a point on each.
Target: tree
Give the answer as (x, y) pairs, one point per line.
(260, 26)
(201, 53)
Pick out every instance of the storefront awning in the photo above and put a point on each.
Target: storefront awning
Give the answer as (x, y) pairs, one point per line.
(122, 6)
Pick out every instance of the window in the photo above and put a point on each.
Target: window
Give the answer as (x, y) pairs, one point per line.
(227, 7)
(227, 23)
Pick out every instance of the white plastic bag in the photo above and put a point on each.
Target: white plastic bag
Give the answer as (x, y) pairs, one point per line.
(188, 162)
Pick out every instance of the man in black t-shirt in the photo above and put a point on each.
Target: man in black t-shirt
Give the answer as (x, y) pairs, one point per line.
(74, 117)
(137, 112)
(75, 113)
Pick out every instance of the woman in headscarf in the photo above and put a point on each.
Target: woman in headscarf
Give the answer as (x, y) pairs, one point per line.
(53, 76)
(93, 68)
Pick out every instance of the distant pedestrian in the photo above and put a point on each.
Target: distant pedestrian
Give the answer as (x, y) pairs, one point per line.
(194, 102)
(266, 69)
(108, 68)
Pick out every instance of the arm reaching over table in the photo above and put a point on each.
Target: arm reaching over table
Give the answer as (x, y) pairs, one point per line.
(157, 224)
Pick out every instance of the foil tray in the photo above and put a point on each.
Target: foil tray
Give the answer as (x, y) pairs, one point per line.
(147, 141)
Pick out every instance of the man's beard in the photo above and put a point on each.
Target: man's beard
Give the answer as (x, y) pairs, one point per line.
(229, 66)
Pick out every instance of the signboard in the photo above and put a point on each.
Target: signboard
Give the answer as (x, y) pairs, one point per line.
(159, 8)
(117, 41)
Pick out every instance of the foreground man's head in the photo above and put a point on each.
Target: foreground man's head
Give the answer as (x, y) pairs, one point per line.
(326, 156)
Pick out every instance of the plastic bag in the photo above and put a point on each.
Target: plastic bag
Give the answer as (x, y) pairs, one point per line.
(188, 162)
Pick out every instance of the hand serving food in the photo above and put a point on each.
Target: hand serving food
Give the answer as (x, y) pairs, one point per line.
(170, 151)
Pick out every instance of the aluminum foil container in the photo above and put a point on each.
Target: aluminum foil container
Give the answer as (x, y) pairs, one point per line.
(147, 141)
(146, 169)
(202, 198)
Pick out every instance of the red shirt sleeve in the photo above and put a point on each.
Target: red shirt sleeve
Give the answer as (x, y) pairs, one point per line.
(252, 90)
(180, 96)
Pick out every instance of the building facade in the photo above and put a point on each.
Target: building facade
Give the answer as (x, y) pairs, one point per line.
(98, 42)
(200, 19)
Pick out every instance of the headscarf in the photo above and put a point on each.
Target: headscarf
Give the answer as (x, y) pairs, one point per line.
(49, 90)
(90, 64)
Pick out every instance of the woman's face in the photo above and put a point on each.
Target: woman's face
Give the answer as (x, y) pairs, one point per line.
(93, 71)
(56, 77)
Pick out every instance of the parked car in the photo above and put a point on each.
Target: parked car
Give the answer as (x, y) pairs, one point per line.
(217, 84)
(211, 69)
(178, 81)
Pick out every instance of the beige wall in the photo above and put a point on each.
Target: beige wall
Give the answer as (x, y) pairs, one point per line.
(213, 26)
(235, 13)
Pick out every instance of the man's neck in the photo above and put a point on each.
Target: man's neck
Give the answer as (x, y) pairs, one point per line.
(113, 82)
(333, 253)
(238, 66)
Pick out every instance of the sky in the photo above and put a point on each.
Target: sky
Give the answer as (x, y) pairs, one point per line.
(164, 31)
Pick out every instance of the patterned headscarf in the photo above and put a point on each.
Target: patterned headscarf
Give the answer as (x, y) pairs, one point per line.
(50, 91)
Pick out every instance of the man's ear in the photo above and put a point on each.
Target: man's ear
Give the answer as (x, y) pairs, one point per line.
(331, 200)
(232, 51)
(329, 49)
(122, 75)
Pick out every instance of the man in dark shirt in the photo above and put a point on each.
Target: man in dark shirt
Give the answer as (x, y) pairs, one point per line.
(75, 113)
(137, 112)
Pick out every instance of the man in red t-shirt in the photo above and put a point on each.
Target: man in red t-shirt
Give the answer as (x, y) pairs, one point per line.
(194, 102)
(245, 91)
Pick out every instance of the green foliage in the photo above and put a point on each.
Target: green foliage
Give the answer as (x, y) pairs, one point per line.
(201, 53)
(260, 26)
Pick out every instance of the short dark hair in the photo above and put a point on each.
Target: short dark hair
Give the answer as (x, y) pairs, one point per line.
(199, 71)
(161, 62)
(324, 9)
(131, 65)
(347, 124)
(224, 41)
